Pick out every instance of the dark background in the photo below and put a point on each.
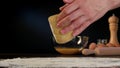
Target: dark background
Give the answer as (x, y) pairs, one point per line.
(26, 28)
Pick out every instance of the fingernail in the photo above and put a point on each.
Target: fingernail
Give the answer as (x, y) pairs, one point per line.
(58, 25)
(62, 32)
(60, 8)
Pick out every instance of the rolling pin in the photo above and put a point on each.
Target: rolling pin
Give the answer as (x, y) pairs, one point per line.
(104, 51)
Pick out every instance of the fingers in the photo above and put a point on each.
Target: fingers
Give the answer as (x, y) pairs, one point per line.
(67, 1)
(84, 25)
(81, 28)
(68, 19)
(78, 15)
(61, 8)
(68, 10)
(75, 24)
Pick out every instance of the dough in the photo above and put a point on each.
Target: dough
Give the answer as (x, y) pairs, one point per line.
(60, 38)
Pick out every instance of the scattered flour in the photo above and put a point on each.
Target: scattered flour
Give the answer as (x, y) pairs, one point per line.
(65, 62)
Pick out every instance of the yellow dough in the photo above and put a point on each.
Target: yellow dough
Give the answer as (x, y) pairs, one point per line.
(60, 38)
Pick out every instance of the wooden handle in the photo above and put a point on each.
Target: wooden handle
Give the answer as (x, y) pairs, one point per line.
(88, 52)
(104, 51)
(107, 51)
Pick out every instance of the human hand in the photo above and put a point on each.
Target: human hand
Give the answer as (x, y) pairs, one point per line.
(77, 15)
(67, 1)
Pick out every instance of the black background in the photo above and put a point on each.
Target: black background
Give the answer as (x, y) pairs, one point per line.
(26, 29)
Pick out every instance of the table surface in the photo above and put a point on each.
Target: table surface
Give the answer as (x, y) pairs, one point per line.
(54, 58)
(15, 55)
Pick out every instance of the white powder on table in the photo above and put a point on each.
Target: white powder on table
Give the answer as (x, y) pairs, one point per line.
(67, 62)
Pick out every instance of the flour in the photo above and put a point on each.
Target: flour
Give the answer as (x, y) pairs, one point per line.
(66, 62)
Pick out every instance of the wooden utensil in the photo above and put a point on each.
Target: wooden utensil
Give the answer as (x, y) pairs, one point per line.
(113, 27)
(102, 51)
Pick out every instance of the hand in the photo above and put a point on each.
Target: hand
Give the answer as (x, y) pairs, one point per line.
(77, 15)
(67, 1)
